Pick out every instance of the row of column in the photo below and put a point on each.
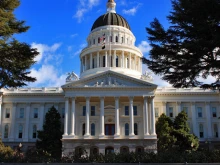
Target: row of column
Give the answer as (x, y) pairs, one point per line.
(27, 121)
(123, 61)
(194, 112)
(149, 117)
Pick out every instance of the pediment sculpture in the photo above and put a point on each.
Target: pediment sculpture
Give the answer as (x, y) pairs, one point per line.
(147, 76)
(72, 77)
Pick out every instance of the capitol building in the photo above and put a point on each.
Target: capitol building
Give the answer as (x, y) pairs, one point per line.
(113, 105)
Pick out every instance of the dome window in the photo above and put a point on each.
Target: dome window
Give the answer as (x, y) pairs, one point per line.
(116, 39)
(99, 40)
(116, 61)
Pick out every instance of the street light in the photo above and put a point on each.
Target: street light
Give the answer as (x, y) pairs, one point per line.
(19, 147)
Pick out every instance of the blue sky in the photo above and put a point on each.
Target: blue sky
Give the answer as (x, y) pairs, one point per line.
(59, 29)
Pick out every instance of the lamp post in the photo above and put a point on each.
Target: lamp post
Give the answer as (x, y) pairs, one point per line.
(19, 147)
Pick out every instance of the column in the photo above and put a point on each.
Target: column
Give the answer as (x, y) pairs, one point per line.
(102, 119)
(12, 130)
(130, 60)
(131, 126)
(72, 133)
(28, 107)
(164, 105)
(87, 134)
(114, 59)
(208, 119)
(153, 117)
(41, 116)
(81, 65)
(90, 60)
(97, 60)
(135, 64)
(193, 110)
(85, 63)
(117, 128)
(0, 114)
(123, 59)
(106, 59)
(145, 112)
(178, 107)
(66, 117)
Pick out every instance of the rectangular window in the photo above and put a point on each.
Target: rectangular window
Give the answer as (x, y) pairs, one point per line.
(156, 112)
(35, 112)
(199, 110)
(7, 114)
(21, 114)
(126, 110)
(170, 111)
(63, 113)
(84, 111)
(92, 110)
(135, 110)
(214, 113)
(185, 109)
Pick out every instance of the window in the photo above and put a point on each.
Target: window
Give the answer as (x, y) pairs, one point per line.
(126, 110)
(92, 110)
(35, 112)
(116, 39)
(199, 110)
(185, 109)
(124, 149)
(215, 130)
(93, 41)
(84, 111)
(92, 129)
(34, 132)
(214, 113)
(103, 60)
(7, 114)
(93, 63)
(63, 112)
(156, 112)
(116, 61)
(99, 40)
(170, 111)
(135, 128)
(110, 38)
(122, 39)
(135, 110)
(127, 62)
(83, 129)
(201, 134)
(20, 131)
(126, 129)
(6, 131)
(21, 114)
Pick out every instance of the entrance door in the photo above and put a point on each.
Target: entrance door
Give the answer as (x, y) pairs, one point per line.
(109, 129)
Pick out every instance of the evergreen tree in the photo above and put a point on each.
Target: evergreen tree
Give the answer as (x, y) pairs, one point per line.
(164, 127)
(51, 135)
(189, 48)
(15, 57)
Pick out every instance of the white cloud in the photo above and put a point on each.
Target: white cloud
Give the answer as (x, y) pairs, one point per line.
(84, 7)
(80, 49)
(47, 75)
(144, 47)
(131, 11)
(208, 80)
(42, 49)
(74, 35)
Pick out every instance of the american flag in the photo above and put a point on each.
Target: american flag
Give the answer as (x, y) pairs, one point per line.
(103, 41)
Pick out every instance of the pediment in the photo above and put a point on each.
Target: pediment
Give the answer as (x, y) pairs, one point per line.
(109, 79)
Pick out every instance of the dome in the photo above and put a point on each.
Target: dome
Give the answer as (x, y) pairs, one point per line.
(110, 19)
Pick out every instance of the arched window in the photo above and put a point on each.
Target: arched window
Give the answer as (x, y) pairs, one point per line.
(94, 150)
(6, 131)
(139, 149)
(83, 129)
(135, 128)
(20, 131)
(201, 133)
(124, 149)
(109, 150)
(92, 129)
(116, 38)
(215, 130)
(34, 132)
(126, 129)
(116, 61)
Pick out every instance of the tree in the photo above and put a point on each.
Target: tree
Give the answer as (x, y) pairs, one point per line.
(175, 135)
(15, 57)
(51, 135)
(189, 48)
(6, 153)
(164, 127)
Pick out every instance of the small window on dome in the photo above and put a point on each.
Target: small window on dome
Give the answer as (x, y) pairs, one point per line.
(110, 38)
(93, 41)
(99, 40)
(122, 39)
(116, 39)
(116, 61)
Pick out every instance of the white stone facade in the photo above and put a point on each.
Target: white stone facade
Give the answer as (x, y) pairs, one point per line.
(112, 107)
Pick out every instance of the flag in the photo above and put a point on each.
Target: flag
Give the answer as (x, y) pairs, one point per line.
(103, 41)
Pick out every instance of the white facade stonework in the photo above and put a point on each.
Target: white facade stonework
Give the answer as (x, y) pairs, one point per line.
(112, 107)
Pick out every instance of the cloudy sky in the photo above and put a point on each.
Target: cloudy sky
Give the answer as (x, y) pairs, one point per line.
(59, 29)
